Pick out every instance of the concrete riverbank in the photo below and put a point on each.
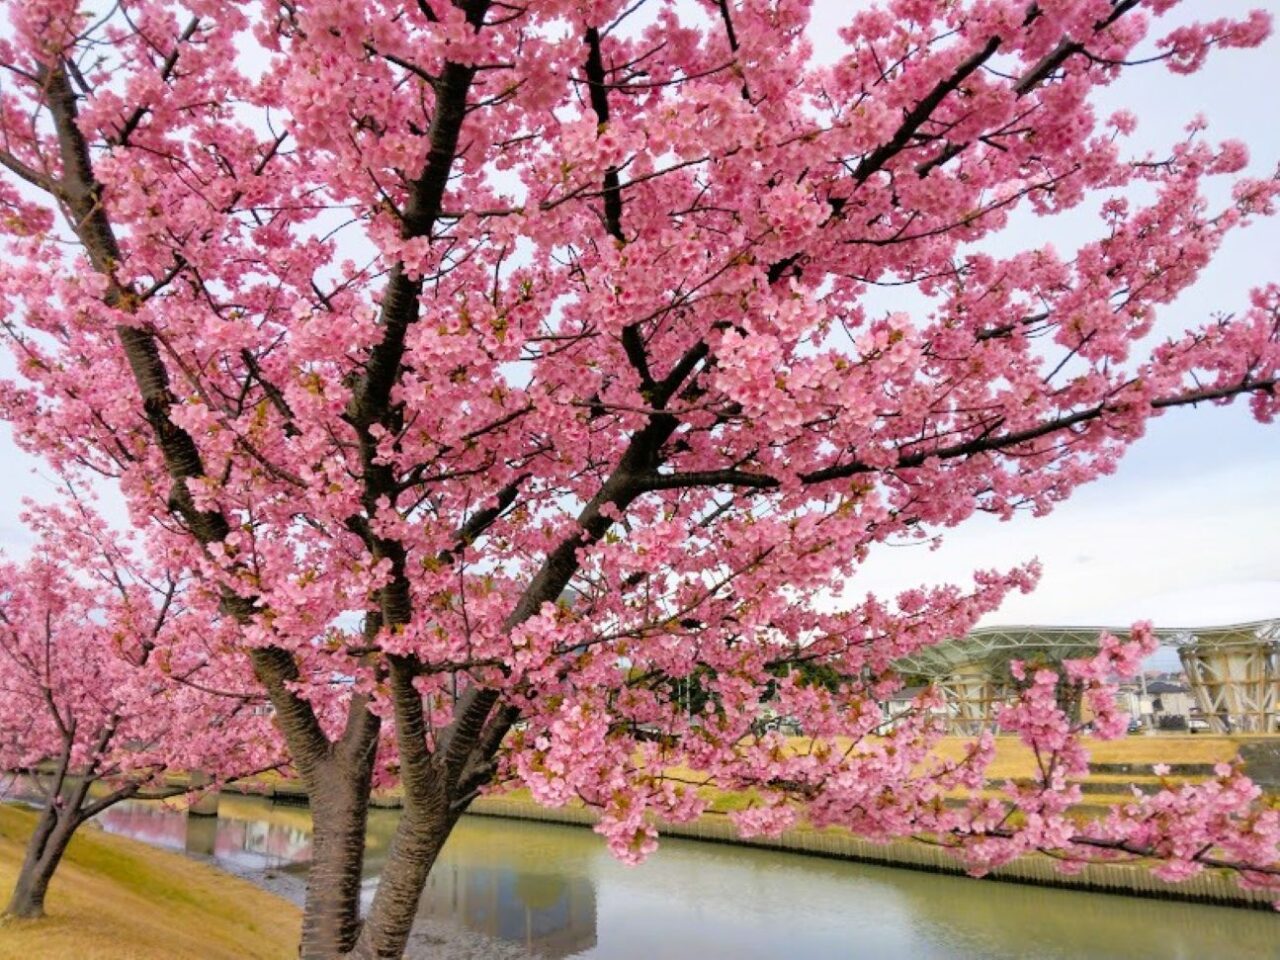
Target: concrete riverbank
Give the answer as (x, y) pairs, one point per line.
(1211, 886)
(1118, 768)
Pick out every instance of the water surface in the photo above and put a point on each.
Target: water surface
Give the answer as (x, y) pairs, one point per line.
(555, 891)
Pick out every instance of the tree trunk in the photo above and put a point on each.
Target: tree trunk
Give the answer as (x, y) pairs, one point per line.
(44, 852)
(339, 816)
(417, 842)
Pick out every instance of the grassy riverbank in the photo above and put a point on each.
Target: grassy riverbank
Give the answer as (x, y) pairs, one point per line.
(1115, 766)
(1124, 762)
(117, 899)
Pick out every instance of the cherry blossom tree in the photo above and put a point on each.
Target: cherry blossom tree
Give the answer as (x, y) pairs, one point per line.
(105, 688)
(536, 339)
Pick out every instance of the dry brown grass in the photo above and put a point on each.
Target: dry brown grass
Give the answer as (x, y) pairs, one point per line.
(117, 899)
(1014, 760)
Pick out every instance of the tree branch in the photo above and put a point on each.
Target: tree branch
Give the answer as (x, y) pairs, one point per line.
(82, 193)
(988, 442)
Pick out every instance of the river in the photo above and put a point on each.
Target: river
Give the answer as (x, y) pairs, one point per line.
(556, 892)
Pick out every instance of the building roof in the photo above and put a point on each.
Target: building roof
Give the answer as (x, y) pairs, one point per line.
(988, 644)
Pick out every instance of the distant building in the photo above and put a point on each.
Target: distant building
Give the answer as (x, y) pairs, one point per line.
(901, 704)
(1231, 677)
(1175, 699)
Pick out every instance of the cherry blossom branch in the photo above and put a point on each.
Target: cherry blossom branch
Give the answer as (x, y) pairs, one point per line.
(988, 441)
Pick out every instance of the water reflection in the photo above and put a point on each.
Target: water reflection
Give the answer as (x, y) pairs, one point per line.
(555, 891)
(240, 837)
(549, 914)
(484, 887)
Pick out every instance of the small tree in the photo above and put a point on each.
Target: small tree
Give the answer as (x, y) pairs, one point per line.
(104, 691)
(432, 312)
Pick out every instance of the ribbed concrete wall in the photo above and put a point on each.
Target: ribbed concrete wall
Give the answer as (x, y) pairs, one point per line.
(1211, 886)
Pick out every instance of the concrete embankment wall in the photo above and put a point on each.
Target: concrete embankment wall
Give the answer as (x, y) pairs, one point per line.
(1211, 886)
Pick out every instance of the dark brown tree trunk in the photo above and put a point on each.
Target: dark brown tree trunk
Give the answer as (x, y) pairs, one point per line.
(417, 842)
(44, 852)
(339, 815)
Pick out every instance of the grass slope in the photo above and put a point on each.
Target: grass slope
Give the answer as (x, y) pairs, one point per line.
(117, 899)
(1014, 760)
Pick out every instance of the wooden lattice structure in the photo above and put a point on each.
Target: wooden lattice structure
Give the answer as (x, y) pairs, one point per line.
(1234, 671)
(1234, 674)
(972, 693)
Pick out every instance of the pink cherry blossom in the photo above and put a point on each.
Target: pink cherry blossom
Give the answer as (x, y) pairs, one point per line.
(109, 683)
(502, 383)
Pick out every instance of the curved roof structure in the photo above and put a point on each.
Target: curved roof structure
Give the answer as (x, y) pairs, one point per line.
(989, 643)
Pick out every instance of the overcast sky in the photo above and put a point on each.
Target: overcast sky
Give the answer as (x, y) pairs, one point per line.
(1186, 532)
